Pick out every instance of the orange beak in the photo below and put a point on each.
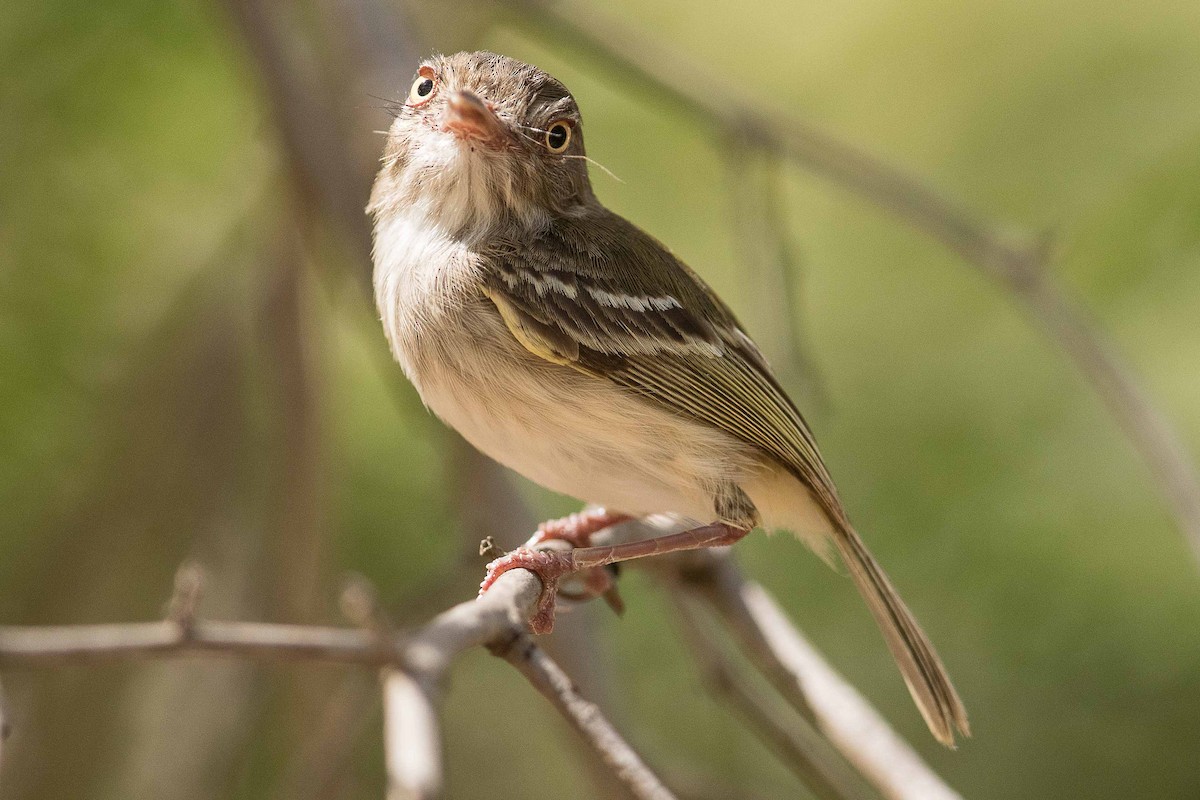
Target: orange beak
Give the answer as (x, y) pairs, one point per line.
(469, 117)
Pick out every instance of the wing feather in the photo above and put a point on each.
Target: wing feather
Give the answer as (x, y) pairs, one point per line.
(603, 297)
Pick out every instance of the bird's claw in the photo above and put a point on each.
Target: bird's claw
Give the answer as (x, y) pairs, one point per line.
(552, 565)
(549, 565)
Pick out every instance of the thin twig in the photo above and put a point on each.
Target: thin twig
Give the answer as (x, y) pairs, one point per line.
(549, 679)
(53, 646)
(774, 644)
(766, 248)
(786, 262)
(4, 728)
(799, 747)
(316, 770)
(1016, 260)
(328, 178)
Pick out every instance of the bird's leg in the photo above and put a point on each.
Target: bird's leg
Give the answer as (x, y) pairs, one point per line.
(551, 566)
(577, 528)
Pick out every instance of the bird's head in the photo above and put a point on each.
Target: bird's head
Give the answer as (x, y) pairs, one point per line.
(483, 140)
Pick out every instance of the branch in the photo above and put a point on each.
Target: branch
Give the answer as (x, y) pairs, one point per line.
(549, 679)
(799, 747)
(4, 730)
(329, 180)
(1017, 261)
(417, 665)
(65, 645)
(318, 768)
(321, 153)
(765, 247)
(412, 738)
(785, 657)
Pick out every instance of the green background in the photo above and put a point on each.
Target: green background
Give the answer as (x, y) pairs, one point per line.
(187, 372)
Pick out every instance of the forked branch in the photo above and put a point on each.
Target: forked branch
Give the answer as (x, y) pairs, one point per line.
(415, 667)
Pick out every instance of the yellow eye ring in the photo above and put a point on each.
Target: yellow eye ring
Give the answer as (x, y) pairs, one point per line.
(558, 136)
(422, 88)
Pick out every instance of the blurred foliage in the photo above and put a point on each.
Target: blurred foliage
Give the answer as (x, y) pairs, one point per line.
(178, 380)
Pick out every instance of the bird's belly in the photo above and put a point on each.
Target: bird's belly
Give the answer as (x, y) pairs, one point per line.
(574, 433)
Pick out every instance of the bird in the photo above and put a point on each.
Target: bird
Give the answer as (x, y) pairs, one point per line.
(567, 344)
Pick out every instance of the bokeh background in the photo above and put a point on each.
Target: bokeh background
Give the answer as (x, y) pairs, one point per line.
(189, 369)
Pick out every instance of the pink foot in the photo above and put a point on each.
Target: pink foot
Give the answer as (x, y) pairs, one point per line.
(578, 528)
(552, 565)
(548, 565)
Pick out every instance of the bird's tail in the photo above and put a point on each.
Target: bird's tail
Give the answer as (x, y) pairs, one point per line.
(918, 661)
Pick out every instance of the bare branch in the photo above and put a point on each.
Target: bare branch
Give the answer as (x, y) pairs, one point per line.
(64, 645)
(799, 747)
(1018, 261)
(766, 248)
(775, 645)
(651, 70)
(412, 738)
(793, 666)
(328, 178)
(318, 769)
(549, 679)
(4, 729)
(417, 665)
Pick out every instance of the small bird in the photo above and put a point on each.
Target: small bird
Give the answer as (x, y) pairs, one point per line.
(567, 344)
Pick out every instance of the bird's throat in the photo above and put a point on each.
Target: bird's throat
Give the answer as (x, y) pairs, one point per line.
(468, 191)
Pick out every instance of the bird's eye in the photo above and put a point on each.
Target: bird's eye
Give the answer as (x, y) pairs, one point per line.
(422, 88)
(558, 136)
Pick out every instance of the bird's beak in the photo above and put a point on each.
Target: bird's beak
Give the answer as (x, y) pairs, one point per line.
(469, 117)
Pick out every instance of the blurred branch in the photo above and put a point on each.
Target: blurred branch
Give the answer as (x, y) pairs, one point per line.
(1018, 261)
(805, 679)
(765, 245)
(316, 770)
(4, 730)
(329, 180)
(773, 644)
(799, 747)
(332, 162)
(785, 260)
(412, 738)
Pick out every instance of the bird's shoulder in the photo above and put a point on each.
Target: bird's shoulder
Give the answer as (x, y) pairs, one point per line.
(614, 287)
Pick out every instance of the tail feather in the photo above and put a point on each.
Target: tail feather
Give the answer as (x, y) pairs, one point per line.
(923, 672)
